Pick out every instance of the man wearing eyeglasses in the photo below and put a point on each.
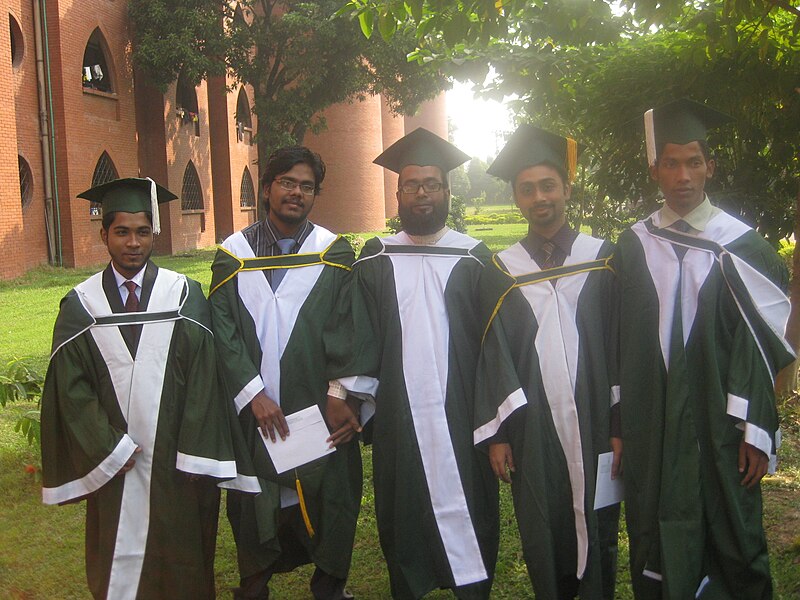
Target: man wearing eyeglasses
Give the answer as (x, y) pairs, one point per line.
(274, 283)
(405, 341)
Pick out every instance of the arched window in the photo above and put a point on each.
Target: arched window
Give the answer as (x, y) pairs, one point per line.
(104, 171)
(244, 121)
(247, 194)
(25, 182)
(96, 72)
(186, 103)
(191, 192)
(17, 44)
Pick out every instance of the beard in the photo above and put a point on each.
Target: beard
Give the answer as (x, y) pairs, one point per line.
(544, 221)
(425, 224)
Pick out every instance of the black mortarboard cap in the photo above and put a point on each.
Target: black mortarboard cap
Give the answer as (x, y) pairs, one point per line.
(422, 148)
(131, 194)
(529, 146)
(679, 122)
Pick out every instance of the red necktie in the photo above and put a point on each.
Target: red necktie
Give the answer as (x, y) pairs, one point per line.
(132, 302)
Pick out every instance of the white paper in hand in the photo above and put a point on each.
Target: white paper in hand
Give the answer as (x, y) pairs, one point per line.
(305, 442)
(608, 491)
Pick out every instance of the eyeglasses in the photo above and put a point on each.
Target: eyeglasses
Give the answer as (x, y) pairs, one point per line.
(289, 184)
(428, 186)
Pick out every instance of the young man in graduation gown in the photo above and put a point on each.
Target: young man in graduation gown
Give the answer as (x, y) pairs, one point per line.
(703, 316)
(406, 339)
(131, 415)
(274, 283)
(546, 381)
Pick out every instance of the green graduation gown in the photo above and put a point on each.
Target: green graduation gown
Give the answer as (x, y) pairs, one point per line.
(152, 531)
(546, 381)
(701, 340)
(408, 334)
(272, 340)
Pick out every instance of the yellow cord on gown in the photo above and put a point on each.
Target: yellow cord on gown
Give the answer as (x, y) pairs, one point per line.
(303, 509)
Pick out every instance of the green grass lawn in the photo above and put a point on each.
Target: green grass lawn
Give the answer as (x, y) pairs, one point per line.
(41, 547)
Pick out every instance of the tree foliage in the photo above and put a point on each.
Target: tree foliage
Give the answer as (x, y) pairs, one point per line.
(300, 57)
(456, 24)
(598, 94)
(582, 69)
(481, 184)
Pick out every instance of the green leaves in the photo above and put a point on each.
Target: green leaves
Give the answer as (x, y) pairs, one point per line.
(30, 427)
(366, 19)
(20, 383)
(387, 25)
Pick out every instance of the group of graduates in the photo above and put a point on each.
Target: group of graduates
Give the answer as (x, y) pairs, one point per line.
(461, 369)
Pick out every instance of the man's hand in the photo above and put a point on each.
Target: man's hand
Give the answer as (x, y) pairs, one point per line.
(342, 418)
(753, 463)
(502, 461)
(269, 416)
(130, 462)
(616, 463)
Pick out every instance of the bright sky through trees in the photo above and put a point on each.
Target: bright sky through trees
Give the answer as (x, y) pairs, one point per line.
(479, 126)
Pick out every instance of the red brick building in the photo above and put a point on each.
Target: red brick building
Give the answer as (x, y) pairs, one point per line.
(197, 141)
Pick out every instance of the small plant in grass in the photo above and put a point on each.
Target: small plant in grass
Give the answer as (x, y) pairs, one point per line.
(356, 241)
(20, 383)
(478, 202)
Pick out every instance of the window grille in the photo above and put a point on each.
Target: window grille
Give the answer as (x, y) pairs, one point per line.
(25, 182)
(191, 193)
(104, 171)
(247, 194)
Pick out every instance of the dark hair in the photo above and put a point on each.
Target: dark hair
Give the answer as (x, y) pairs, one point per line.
(108, 218)
(562, 172)
(703, 148)
(283, 159)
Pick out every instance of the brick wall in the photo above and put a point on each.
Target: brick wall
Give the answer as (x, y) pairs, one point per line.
(12, 232)
(152, 151)
(352, 198)
(89, 122)
(393, 127)
(432, 115)
(143, 136)
(243, 154)
(231, 153)
(26, 108)
(189, 229)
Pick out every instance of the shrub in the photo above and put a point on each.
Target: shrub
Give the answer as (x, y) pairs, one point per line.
(786, 252)
(21, 383)
(356, 241)
(507, 218)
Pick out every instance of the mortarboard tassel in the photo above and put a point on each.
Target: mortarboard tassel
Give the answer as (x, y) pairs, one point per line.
(572, 159)
(303, 509)
(650, 137)
(154, 207)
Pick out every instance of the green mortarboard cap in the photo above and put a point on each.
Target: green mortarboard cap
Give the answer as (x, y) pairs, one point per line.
(422, 148)
(679, 122)
(529, 146)
(132, 194)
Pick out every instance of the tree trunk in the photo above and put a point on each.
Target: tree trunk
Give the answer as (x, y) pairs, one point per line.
(786, 382)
